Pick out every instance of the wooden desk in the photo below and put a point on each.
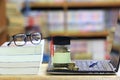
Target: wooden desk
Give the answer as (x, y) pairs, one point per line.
(44, 76)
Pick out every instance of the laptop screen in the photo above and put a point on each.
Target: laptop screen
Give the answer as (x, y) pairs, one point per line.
(116, 41)
(115, 54)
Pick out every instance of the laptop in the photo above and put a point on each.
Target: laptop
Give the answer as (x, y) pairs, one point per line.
(110, 66)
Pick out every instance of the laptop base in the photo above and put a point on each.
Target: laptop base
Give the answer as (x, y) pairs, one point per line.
(102, 67)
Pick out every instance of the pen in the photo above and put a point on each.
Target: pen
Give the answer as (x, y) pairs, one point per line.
(93, 64)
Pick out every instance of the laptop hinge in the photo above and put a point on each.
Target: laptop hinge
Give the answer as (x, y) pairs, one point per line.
(112, 67)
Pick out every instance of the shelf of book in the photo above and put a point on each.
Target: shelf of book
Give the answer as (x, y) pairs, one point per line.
(66, 5)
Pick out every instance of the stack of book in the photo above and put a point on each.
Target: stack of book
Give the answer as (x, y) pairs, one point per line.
(21, 60)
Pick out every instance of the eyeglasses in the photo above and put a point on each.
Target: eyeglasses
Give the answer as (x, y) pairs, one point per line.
(21, 39)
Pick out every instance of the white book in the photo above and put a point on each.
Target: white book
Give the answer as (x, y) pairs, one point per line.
(21, 58)
(19, 64)
(20, 50)
(19, 71)
(29, 48)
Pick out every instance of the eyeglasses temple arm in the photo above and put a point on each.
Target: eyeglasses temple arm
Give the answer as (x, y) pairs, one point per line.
(10, 42)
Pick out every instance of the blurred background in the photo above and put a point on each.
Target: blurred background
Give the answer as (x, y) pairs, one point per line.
(93, 25)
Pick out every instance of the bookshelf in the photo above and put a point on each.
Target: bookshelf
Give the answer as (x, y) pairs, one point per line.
(65, 7)
(3, 29)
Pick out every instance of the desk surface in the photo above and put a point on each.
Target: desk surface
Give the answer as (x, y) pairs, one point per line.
(44, 76)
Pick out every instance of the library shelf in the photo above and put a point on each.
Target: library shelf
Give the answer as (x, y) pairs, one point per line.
(66, 5)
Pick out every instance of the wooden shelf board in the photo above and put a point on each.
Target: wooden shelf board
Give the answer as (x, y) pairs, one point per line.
(95, 4)
(78, 4)
(116, 47)
(38, 4)
(82, 34)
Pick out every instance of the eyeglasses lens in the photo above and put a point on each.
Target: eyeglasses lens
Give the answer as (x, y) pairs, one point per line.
(20, 39)
(35, 38)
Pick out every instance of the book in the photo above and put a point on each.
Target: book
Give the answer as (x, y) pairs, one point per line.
(56, 28)
(99, 49)
(20, 58)
(19, 64)
(56, 17)
(25, 50)
(28, 49)
(111, 18)
(15, 71)
(86, 16)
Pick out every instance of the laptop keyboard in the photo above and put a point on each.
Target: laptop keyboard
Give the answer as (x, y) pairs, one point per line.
(92, 65)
